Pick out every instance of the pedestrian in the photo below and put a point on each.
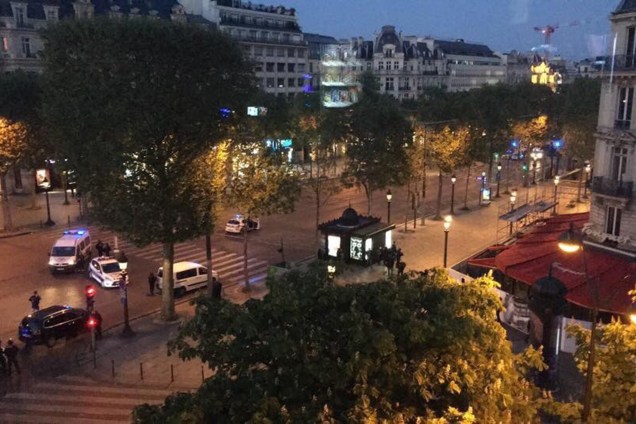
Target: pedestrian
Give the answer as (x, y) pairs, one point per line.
(217, 289)
(398, 255)
(35, 301)
(400, 267)
(3, 361)
(98, 323)
(81, 263)
(152, 280)
(100, 248)
(11, 352)
(107, 250)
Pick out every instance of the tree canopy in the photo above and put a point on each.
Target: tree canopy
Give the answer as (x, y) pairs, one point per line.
(390, 351)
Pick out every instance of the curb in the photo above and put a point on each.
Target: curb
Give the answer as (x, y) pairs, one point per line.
(15, 234)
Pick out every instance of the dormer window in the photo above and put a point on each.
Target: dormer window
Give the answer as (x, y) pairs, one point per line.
(20, 16)
(51, 15)
(388, 53)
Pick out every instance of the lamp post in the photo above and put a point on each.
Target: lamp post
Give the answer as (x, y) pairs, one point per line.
(389, 196)
(588, 170)
(498, 178)
(483, 187)
(123, 287)
(556, 189)
(513, 199)
(447, 225)
(453, 181)
(535, 155)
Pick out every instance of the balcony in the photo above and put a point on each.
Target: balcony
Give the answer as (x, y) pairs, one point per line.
(608, 187)
(620, 124)
(624, 62)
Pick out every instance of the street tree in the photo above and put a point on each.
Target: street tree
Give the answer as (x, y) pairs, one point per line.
(447, 150)
(415, 350)
(135, 105)
(578, 117)
(259, 183)
(377, 148)
(13, 145)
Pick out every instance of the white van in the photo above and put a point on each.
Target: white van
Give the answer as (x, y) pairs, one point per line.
(67, 250)
(188, 276)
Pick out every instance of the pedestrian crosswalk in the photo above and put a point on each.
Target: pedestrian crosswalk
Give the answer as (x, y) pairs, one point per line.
(77, 399)
(229, 265)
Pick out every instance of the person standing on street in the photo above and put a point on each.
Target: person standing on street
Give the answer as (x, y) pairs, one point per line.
(152, 280)
(98, 324)
(100, 248)
(3, 361)
(35, 301)
(11, 352)
(106, 249)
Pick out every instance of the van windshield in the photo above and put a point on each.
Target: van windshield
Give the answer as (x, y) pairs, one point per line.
(63, 251)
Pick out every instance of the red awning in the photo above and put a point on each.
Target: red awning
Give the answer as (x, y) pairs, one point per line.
(531, 257)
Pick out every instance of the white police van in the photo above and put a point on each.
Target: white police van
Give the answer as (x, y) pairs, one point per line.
(187, 276)
(67, 250)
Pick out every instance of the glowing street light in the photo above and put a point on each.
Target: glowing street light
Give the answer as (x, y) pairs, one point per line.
(447, 224)
(389, 196)
(453, 181)
(556, 188)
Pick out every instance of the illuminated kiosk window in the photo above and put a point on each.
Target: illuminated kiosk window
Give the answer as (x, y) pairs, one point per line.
(333, 243)
(368, 245)
(355, 249)
(388, 238)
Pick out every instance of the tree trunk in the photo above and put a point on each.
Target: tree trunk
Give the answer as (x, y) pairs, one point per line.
(6, 209)
(466, 208)
(317, 232)
(438, 212)
(34, 195)
(65, 187)
(208, 261)
(246, 275)
(167, 290)
(367, 191)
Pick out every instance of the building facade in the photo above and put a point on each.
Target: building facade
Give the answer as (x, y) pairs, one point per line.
(270, 37)
(613, 215)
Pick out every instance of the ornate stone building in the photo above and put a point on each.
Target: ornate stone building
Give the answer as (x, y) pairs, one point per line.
(613, 215)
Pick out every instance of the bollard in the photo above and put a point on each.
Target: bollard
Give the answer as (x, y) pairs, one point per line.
(94, 359)
(171, 373)
(202, 373)
(112, 367)
(141, 370)
(69, 221)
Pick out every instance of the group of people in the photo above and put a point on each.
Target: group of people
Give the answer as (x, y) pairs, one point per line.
(390, 257)
(103, 249)
(9, 358)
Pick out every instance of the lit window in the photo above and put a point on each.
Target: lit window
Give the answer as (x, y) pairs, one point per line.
(613, 221)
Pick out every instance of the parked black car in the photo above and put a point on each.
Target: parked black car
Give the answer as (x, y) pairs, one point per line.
(52, 323)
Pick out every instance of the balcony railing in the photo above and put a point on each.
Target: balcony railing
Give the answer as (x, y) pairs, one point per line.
(615, 188)
(620, 124)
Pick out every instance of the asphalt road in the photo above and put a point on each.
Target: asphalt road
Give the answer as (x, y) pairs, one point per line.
(23, 259)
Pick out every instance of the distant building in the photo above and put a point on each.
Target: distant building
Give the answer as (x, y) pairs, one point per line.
(613, 215)
(270, 36)
(517, 67)
(317, 45)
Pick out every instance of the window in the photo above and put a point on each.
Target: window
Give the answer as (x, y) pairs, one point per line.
(264, 35)
(270, 82)
(258, 50)
(51, 15)
(625, 101)
(396, 65)
(630, 53)
(280, 52)
(301, 53)
(285, 38)
(258, 67)
(269, 51)
(311, 67)
(5, 44)
(619, 163)
(613, 221)
(381, 66)
(203, 271)
(301, 82)
(188, 273)
(280, 82)
(253, 34)
(301, 67)
(56, 320)
(291, 67)
(388, 84)
(26, 46)
(388, 66)
(291, 82)
(291, 52)
(19, 16)
(269, 67)
(275, 36)
(280, 67)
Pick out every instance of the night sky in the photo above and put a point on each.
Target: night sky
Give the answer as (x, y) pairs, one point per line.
(503, 25)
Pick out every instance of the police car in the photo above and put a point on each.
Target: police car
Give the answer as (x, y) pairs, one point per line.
(239, 223)
(105, 271)
(68, 249)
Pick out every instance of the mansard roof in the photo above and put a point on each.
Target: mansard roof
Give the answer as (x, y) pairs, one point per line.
(625, 6)
(319, 38)
(388, 36)
(35, 8)
(459, 47)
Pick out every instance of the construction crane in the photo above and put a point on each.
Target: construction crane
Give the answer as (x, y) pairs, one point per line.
(547, 32)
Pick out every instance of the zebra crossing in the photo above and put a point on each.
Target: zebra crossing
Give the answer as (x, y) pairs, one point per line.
(229, 265)
(78, 400)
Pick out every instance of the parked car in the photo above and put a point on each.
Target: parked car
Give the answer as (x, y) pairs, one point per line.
(105, 271)
(48, 325)
(187, 276)
(239, 223)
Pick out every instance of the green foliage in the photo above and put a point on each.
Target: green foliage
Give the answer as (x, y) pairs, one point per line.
(377, 148)
(133, 104)
(614, 390)
(579, 116)
(418, 349)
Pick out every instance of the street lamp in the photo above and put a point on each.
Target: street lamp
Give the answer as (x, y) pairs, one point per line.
(483, 187)
(513, 199)
(447, 225)
(588, 170)
(123, 288)
(453, 181)
(498, 178)
(535, 155)
(569, 242)
(556, 188)
(389, 196)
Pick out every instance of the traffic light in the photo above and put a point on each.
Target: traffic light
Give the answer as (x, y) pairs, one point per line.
(524, 167)
(90, 292)
(91, 323)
